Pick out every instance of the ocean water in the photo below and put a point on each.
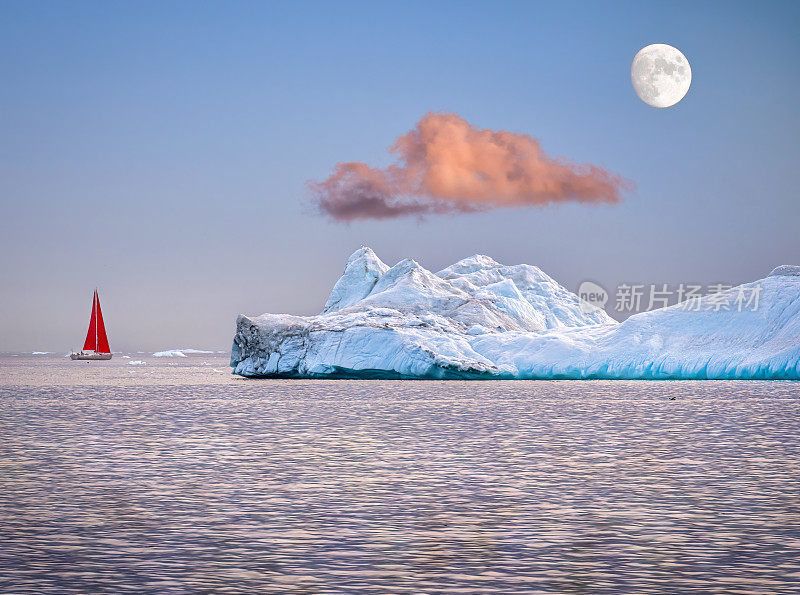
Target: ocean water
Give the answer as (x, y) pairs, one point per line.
(176, 477)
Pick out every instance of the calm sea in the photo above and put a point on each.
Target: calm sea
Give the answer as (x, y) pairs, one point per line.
(176, 477)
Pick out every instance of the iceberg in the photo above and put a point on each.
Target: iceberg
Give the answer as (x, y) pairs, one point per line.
(479, 319)
(179, 352)
(170, 353)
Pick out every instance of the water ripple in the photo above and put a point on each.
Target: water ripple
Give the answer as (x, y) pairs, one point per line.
(389, 487)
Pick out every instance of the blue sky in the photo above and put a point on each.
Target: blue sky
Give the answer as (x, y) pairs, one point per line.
(161, 151)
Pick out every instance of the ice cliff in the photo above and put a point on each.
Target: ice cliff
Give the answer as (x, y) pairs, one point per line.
(481, 319)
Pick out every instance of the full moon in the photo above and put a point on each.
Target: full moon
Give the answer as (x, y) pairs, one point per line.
(661, 75)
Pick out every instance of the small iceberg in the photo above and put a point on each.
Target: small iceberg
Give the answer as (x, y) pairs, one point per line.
(136, 362)
(170, 353)
(180, 352)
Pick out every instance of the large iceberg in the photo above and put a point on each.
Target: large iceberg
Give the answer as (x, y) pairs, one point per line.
(479, 319)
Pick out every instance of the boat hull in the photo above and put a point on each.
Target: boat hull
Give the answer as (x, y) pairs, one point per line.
(90, 355)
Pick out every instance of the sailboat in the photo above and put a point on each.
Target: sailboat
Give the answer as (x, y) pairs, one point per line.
(96, 345)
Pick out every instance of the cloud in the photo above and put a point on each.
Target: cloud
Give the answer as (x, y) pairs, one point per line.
(446, 165)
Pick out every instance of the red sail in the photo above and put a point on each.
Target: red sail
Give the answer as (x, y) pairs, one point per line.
(91, 337)
(96, 339)
(102, 340)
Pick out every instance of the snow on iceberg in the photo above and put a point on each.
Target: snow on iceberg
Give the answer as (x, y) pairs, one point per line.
(481, 319)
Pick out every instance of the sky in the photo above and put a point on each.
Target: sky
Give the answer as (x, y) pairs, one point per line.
(162, 151)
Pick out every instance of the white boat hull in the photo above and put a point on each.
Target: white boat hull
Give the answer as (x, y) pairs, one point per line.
(90, 355)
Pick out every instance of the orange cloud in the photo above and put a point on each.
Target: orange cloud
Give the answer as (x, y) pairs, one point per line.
(446, 165)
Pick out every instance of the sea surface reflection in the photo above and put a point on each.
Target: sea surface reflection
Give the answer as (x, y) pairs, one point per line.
(168, 477)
